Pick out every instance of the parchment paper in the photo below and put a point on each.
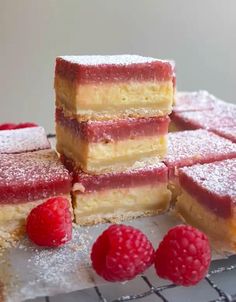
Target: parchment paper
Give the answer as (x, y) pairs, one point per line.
(27, 271)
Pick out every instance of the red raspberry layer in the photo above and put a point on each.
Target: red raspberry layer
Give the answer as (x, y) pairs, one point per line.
(186, 148)
(139, 176)
(114, 130)
(23, 140)
(31, 176)
(115, 69)
(213, 185)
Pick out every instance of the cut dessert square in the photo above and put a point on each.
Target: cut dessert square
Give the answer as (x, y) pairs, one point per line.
(222, 115)
(26, 180)
(139, 191)
(208, 200)
(23, 140)
(186, 148)
(107, 87)
(104, 146)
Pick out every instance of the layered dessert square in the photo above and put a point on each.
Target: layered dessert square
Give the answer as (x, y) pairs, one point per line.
(190, 147)
(113, 197)
(222, 115)
(23, 140)
(107, 87)
(104, 146)
(26, 180)
(208, 200)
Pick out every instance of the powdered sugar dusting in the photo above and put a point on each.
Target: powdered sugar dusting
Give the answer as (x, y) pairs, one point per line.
(31, 176)
(23, 140)
(222, 115)
(194, 101)
(227, 132)
(218, 178)
(197, 146)
(109, 60)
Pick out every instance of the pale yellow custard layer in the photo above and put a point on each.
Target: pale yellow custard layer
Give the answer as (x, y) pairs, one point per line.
(13, 218)
(111, 100)
(114, 205)
(221, 231)
(110, 156)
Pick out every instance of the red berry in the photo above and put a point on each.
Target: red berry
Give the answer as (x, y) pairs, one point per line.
(7, 126)
(121, 252)
(25, 125)
(183, 256)
(50, 224)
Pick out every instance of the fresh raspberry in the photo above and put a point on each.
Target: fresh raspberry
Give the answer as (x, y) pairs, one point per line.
(25, 125)
(183, 256)
(121, 252)
(7, 126)
(50, 223)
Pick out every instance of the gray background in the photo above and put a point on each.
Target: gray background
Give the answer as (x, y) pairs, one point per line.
(199, 35)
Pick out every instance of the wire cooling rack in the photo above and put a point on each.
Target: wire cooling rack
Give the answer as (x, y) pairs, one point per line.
(219, 284)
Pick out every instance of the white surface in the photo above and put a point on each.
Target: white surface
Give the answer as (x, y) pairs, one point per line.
(199, 35)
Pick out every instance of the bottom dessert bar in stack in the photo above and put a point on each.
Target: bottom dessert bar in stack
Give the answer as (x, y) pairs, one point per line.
(113, 197)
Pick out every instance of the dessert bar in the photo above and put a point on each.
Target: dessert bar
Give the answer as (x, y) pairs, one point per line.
(186, 148)
(104, 146)
(26, 180)
(107, 87)
(23, 140)
(222, 115)
(139, 191)
(208, 200)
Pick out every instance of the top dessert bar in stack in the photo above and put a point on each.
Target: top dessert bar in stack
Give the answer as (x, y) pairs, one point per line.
(112, 114)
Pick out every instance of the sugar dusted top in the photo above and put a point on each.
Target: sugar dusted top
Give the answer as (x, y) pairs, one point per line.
(117, 68)
(213, 184)
(23, 140)
(194, 101)
(110, 60)
(187, 148)
(222, 115)
(31, 176)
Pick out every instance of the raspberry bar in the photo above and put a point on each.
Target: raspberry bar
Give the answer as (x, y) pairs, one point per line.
(208, 200)
(139, 191)
(105, 146)
(223, 115)
(227, 132)
(26, 180)
(187, 148)
(23, 140)
(107, 87)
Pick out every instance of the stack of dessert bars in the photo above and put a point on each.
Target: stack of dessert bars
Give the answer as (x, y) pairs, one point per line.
(111, 126)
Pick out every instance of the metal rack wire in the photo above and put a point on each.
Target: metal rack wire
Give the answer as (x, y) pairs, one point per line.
(160, 291)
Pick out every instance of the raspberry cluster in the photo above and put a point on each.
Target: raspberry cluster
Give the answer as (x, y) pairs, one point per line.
(122, 252)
